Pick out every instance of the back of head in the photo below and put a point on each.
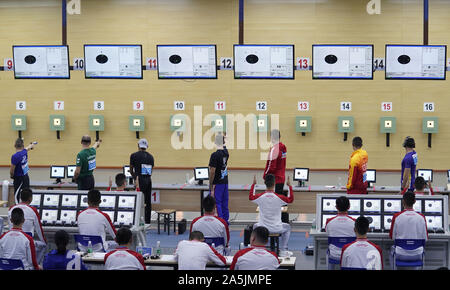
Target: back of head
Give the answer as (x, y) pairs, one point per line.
(342, 203)
(409, 142)
(219, 140)
(17, 216)
(362, 225)
(61, 241)
(209, 203)
(419, 183)
(357, 142)
(409, 198)
(196, 235)
(26, 195)
(261, 235)
(120, 179)
(124, 236)
(269, 180)
(275, 135)
(19, 143)
(94, 197)
(86, 140)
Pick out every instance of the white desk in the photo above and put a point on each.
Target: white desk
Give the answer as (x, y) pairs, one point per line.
(169, 261)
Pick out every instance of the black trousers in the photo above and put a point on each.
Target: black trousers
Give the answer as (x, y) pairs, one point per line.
(86, 182)
(145, 185)
(19, 183)
(279, 190)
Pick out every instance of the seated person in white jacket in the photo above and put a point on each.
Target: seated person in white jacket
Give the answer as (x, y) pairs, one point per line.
(339, 226)
(32, 223)
(212, 226)
(94, 222)
(408, 224)
(195, 254)
(15, 244)
(256, 257)
(270, 204)
(122, 258)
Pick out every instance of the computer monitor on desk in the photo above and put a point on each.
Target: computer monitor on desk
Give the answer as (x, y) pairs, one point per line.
(126, 171)
(371, 176)
(427, 174)
(57, 172)
(301, 175)
(71, 171)
(200, 174)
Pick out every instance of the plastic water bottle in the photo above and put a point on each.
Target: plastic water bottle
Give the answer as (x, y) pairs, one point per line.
(313, 224)
(139, 249)
(89, 248)
(158, 248)
(241, 246)
(142, 223)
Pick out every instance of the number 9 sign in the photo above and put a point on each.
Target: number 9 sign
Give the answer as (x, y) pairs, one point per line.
(8, 64)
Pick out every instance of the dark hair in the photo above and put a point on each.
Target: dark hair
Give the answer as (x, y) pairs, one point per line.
(362, 225)
(19, 143)
(123, 236)
(17, 216)
(261, 234)
(94, 197)
(357, 142)
(86, 140)
(269, 180)
(409, 142)
(209, 203)
(419, 183)
(61, 241)
(26, 194)
(196, 235)
(409, 198)
(120, 179)
(342, 203)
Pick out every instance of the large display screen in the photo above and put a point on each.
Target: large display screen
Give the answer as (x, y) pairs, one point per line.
(342, 61)
(264, 61)
(41, 61)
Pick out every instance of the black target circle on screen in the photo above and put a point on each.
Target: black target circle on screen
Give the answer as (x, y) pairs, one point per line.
(101, 58)
(389, 220)
(404, 59)
(252, 58)
(389, 204)
(370, 219)
(368, 204)
(331, 59)
(175, 59)
(30, 59)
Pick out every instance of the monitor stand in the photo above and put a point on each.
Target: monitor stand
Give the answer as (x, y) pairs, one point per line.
(58, 180)
(301, 183)
(200, 182)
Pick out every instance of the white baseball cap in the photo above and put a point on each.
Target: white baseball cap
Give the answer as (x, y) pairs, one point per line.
(143, 143)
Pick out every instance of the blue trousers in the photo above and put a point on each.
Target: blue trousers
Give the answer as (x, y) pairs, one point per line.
(221, 196)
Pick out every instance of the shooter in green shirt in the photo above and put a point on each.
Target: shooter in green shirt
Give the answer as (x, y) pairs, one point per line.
(86, 164)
